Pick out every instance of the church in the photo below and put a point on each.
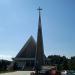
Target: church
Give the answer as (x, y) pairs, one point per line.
(32, 52)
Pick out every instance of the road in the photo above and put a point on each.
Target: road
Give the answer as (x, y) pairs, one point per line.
(18, 73)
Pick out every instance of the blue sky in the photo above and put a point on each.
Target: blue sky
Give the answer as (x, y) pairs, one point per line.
(19, 20)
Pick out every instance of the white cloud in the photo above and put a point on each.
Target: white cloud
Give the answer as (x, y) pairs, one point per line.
(6, 57)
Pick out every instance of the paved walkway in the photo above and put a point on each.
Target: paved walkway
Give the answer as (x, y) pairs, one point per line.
(18, 73)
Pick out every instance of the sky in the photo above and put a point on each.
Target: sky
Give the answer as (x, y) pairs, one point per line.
(19, 20)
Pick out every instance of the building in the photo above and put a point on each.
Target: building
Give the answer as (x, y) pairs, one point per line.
(26, 57)
(32, 52)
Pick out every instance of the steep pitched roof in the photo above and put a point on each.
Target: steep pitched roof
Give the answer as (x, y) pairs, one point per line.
(28, 50)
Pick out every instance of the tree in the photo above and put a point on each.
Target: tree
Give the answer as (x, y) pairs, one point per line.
(72, 63)
(60, 61)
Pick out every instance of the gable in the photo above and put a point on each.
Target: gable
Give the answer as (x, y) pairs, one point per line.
(28, 50)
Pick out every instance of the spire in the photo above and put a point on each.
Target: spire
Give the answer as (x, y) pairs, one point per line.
(39, 22)
(39, 46)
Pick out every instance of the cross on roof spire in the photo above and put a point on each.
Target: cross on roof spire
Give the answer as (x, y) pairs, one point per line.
(39, 9)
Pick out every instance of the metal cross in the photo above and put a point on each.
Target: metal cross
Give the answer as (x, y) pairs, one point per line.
(39, 9)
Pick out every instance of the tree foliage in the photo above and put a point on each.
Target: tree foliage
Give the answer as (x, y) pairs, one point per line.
(62, 62)
(4, 64)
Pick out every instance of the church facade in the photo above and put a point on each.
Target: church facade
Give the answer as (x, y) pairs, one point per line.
(32, 52)
(26, 57)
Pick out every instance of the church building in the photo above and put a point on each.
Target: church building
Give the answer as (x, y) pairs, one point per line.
(32, 52)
